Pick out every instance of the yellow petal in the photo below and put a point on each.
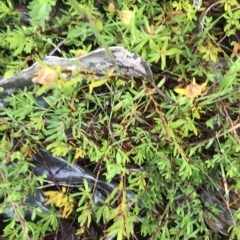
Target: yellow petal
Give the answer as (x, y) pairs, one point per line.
(51, 201)
(67, 210)
(64, 201)
(59, 199)
(64, 189)
(50, 193)
(180, 90)
(204, 85)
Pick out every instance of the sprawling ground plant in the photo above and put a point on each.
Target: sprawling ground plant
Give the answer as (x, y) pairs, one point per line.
(179, 158)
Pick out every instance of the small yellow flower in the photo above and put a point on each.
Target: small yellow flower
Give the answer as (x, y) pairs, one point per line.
(59, 199)
(98, 24)
(46, 76)
(192, 90)
(111, 8)
(80, 53)
(126, 17)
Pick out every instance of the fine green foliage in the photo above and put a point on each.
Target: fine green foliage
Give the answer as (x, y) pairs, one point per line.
(161, 156)
(40, 12)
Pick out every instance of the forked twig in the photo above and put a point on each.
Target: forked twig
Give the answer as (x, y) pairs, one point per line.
(160, 92)
(212, 138)
(203, 15)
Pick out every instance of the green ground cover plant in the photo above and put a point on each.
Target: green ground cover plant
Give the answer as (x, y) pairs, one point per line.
(174, 156)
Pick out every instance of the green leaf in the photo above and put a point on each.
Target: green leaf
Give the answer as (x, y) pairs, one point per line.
(230, 78)
(173, 51)
(96, 83)
(40, 12)
(177, 123)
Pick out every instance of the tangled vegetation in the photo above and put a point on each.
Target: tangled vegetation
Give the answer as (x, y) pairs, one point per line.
(179, 158)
